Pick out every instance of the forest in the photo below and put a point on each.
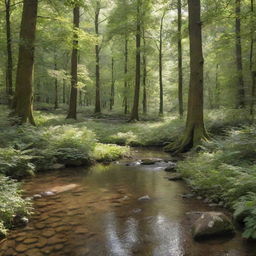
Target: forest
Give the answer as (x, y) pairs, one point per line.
(127, 127)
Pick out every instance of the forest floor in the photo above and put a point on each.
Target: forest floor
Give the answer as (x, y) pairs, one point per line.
(222, 170)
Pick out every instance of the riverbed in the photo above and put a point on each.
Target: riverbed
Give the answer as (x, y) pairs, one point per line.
(118, 209)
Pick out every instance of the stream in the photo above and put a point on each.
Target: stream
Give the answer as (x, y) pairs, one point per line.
(96, 212)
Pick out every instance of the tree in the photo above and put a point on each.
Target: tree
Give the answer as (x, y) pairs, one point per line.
(195, 130)
(180, 62)
(97, 56)
(252, 63)
(239, 63)
(112, 91)
(9, 80)
(144, 58)
(72, 113)
(135, 109)
(161, 93)
(23, 100)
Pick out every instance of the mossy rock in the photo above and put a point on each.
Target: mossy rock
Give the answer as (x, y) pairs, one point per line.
(211, 224)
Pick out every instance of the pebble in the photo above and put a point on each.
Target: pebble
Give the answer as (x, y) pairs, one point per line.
(144, 198)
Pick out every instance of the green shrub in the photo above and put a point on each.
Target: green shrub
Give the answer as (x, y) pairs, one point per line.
(108, 152)
(225, 170)
(15, 163)
(11, 203)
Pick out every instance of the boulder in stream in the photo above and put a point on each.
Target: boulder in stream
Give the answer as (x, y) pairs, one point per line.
(211, 224)
(150, 161)
(174, 177)
(171, 167)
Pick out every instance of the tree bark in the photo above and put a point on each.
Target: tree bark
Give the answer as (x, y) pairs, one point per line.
(112, 91)
(161, 93)
(97, 66)
(135, 109)
(23, 100)
(239, 63)
(56, 101)
(125, 77)
(180, 62)
(9, 80)
(252, 64)
(72, 113)
(144, 102)
(195, 130)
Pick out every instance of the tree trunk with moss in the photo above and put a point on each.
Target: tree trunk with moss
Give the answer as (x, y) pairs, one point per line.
(23, 99)
(195, 131)
(72, 113)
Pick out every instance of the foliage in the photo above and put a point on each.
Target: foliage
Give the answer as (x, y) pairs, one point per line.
(11, 203)
(16, 163)
(225, 171)
(109, 152)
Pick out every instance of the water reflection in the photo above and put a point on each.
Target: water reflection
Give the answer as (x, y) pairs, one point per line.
(120, 243)
(169, 237)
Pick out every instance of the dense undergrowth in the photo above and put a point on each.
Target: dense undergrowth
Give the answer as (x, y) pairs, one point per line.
(225, 172)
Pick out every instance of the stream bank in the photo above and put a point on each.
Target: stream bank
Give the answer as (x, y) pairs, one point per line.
(99, 211)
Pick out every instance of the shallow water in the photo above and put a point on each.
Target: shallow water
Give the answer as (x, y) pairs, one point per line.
(96, 212)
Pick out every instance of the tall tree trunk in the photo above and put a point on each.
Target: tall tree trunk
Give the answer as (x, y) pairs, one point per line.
(23, 100)
(239, 63)
(72, 113)
(144, 102)
(112, 92)
(161, 93)
(135, 109)
(252, 63)
(56, 101)
(217, 89)
(180, 62)
(125, 77)
(64, 91)
(9, 82)
(195, 130)
(97, 66)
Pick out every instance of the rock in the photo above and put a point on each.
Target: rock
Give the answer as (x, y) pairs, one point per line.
(57, 166)
(150, 161)
(144, 198)
(133, 163)
(211, 224)
(21, 248)
(199, 198)
(175, 177)
(37, 196)
(48, 193)
(30, 240)
(213, 205)
(20, 221)
(137, 210)
(48, 233)
(188, 196)
(171, 167)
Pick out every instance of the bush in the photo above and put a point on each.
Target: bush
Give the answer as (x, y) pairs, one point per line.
(226, 171)
(11, 203)
(108, 152)
(15, 163)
